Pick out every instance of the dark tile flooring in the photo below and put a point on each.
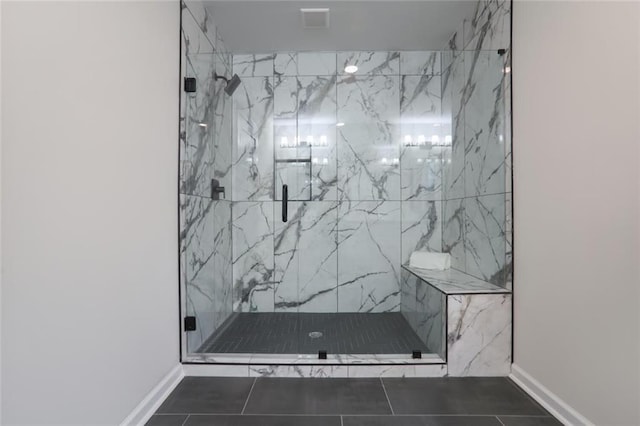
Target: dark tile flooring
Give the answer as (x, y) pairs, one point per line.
(344, 333)
(216, 401)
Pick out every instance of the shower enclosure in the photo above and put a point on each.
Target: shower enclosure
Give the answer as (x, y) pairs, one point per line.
(305, 189)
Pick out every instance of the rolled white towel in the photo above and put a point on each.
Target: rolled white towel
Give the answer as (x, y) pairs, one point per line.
(430, 260)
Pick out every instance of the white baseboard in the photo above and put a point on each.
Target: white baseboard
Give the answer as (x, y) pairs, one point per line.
(150, 403)
(550, 401)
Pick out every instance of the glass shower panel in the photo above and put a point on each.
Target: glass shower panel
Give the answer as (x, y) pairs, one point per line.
(206, 200)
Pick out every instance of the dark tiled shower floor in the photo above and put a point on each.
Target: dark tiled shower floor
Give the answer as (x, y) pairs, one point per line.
(347, 333)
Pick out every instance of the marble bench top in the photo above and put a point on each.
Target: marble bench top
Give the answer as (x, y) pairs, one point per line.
(452, 281)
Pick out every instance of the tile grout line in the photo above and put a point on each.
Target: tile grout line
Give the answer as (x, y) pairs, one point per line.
(500, 421)
(185, 419)
(387, 396)
(249, 395)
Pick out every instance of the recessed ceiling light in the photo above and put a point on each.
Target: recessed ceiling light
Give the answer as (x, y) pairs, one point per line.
(340, 124)
(350, 69)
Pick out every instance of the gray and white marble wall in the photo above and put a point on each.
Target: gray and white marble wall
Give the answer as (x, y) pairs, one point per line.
(362, 157)
(477, 166)
(205, 154)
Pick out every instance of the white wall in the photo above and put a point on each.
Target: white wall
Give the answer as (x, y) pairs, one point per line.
(576, 161)
(89, 210)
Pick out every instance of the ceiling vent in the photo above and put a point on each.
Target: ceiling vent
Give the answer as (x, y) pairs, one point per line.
(315, 18)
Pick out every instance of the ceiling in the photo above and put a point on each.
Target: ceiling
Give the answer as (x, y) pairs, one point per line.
(265, 26)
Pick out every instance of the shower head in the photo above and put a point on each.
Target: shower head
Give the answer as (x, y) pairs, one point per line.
(232, 83)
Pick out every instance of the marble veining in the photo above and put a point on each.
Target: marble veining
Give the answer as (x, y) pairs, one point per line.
(421, 227)
(371, 282)
(422, 138)
(253, 65)
(369, 154)
(370, 63)
(452, 281)
(306, 258)
(484, 241)
(253, 256)
(253, 148)
(479, 335)
(420, 63)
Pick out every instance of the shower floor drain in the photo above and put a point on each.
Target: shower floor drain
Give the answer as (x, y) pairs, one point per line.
(315, 334)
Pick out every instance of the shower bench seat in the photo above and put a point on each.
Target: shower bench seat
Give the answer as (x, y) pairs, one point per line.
(467, 321)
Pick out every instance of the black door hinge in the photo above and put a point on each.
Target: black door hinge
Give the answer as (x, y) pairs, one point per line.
(189, 84)
(189, 323)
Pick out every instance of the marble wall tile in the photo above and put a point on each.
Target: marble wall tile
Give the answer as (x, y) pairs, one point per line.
(453, 232)
(422, 139)
(195, 41)
(424, 307)
(222, 128)
(508, 268)
(253, 147)
(196, 153)
(317, 63)
(484, 112)
(368, 256)
(484, 240)
(203, 19)
(490, 26)
(370, 63)
(285, 63)
(197, 238)
(479, 335)
(253, 65)
(253, 257)
(453, 120)
(317, 127)
(421, 227)
(420, 63)
(318, 371)
(306, 258)
(222, 262)
(431, 308)
(369, 154)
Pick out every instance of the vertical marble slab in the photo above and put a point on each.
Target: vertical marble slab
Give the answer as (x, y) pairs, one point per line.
(490, 26)
(484, 241)
(197, 238)
(425, 309)
(368, 256)
(420, 63)
(317, 127)
(421, 227)
(453, 232)
(317, 63)
(222, 263)
(306, 258)
(204, 20)
(479, 335)
(508, 263)
(253, 65)
(370, 63)
(197, 150)
(485, 135)
(195, 41)
(253, 147)
(369, 153)
(431, 308)
(453, 119)
(408, 298)
(222, 128)
(422, 140)
(253, 256)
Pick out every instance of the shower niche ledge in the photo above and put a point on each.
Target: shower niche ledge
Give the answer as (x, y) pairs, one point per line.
(465, 319)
